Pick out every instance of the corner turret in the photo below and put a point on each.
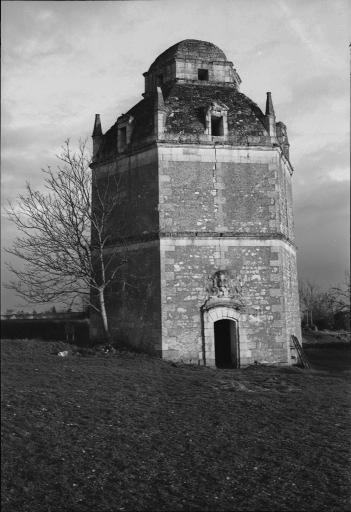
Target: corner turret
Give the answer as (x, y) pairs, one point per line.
(159, 113)
(96, 135)
(270, 118)
(282, 137)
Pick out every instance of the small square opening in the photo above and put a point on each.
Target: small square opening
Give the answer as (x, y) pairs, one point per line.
(217, 126)
(202, 74)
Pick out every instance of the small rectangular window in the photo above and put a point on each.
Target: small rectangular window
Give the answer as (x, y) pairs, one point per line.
(202, 74)
(160, 80)
(217, 126)
(123, 136)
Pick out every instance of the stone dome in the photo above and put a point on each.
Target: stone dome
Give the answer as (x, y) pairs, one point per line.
(190, 49)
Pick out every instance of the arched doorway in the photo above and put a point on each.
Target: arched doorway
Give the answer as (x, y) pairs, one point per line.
(221, 344)
(226, 343)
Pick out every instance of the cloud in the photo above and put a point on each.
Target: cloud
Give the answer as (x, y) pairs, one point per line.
(65, 61)
(322, 223)
(318, 91)
(315, 23)
(30, 35)
(326, 202)
(322, 165)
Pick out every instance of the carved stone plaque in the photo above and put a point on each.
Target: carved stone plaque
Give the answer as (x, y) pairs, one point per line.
(222, 287)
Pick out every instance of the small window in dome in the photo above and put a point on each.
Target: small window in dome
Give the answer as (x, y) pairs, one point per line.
(160, 80)
(202, 74)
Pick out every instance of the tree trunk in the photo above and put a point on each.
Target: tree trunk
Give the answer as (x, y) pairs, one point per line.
(103, 314)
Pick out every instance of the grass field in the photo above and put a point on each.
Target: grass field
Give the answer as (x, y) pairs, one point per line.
(127, 432)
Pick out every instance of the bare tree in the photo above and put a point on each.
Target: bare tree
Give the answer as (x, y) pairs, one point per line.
(340, 295)
(63, 238)
(322, 307)
(315, 304)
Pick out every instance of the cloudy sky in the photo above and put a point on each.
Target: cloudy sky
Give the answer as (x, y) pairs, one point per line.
(62, 62)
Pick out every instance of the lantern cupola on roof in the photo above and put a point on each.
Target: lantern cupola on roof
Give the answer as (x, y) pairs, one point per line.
(191, 61)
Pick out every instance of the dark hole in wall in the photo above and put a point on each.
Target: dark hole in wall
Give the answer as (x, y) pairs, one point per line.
(123, 136)
(217, 126)
(202, 74)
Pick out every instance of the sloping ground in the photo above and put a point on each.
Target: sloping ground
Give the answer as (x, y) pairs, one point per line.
(129, 432)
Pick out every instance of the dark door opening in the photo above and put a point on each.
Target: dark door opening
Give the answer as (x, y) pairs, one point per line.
(226, 344)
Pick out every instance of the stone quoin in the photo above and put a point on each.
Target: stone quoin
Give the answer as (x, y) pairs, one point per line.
(205, 217)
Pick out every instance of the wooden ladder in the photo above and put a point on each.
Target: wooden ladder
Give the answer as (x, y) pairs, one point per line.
(300, 352)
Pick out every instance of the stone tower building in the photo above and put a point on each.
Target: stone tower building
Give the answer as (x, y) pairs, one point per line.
(205, 210)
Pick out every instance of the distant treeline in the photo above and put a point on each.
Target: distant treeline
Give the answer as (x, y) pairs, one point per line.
(328, 309)
(52, 314)
(73, 330)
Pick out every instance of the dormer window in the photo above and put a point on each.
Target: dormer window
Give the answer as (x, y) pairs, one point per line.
(125, 128)
(202, 74)
(217, 120)
(123, 136)
(217, 129)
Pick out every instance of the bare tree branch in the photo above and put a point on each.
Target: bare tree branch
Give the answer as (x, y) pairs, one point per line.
(62, 237)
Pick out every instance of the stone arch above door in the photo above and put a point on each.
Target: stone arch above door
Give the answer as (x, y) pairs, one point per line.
(210, 316)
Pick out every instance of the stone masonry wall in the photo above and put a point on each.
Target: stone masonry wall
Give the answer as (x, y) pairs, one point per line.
(214, 208)
(134, 178)
(217, 71)
(260, 266)
(133, 302)
(227, 209)
(224, 190)
(290, 298)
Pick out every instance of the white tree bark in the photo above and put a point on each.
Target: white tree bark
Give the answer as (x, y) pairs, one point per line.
(63, 237)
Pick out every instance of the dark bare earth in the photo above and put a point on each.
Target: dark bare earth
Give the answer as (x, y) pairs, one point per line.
(129, 432)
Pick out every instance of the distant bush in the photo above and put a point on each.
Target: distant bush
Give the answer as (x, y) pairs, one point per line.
(325, 309)
(76, 331)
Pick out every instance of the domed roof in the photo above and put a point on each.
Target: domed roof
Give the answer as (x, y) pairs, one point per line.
(191, 49)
